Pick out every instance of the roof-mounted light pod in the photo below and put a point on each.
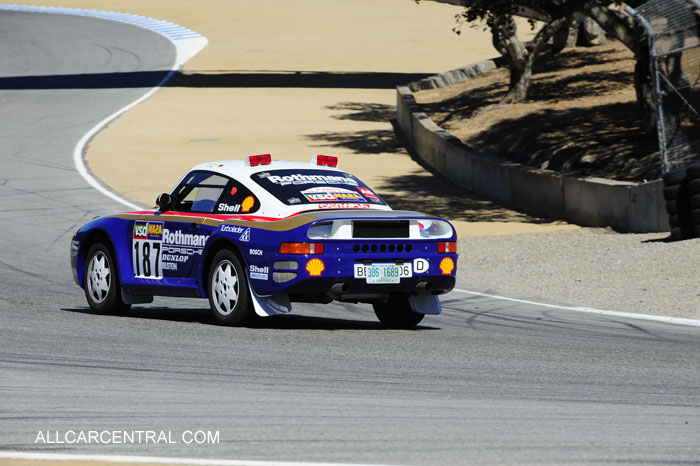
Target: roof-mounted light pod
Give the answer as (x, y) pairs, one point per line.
(325, 160)
(262, 159)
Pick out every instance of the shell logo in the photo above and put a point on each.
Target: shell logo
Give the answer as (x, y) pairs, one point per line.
(447, 265)
(247, 204)
(315, 267)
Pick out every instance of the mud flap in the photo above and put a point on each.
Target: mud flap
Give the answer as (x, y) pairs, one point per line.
(133, 299)
(270, 305)
(425, 303)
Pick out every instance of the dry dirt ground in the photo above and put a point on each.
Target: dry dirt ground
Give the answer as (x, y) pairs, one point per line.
(581, 117)
(298, 51)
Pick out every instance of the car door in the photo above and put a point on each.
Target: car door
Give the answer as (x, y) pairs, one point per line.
(185, 226)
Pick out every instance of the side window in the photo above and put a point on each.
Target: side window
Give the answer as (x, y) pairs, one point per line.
(237, 199)
(199, 192)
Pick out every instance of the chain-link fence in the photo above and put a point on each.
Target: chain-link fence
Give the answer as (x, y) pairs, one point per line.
(673, 27)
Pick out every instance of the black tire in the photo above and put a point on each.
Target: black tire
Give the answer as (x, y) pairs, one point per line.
(676, 234)
(671, 193)
(695, 218)
(101, 282)
(672, 207)
(693, 172)
(694, 187)
(674, 177)
(674, 221)
(695, 202)
(397, 312)
(228, 290)
(696, 231)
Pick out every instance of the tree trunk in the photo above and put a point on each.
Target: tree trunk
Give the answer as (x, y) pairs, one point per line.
(516, 54)
(520, 57)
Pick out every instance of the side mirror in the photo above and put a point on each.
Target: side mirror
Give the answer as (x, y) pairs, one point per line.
(163, 202)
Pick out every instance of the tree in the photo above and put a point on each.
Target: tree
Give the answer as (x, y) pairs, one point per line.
(520, 56)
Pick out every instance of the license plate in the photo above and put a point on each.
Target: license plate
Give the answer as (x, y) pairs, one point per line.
(383, 273)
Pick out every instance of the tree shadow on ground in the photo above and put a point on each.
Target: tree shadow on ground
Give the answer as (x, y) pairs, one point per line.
(423, 190)
(214, 79)
(438, 196)
(361, 142)
(573, 58)
(361, 111)
(581, 141)
(573, 123)
(375, 141)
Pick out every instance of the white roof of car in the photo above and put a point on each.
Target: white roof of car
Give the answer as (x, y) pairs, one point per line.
(270, 206)
(240, 170)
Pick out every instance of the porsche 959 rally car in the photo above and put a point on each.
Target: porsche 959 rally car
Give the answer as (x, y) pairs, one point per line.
(255, 235)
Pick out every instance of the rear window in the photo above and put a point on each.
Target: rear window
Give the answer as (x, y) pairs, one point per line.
(327, 189)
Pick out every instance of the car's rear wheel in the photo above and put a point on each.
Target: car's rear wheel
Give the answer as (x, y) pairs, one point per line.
(101, 282)
(397, 312)
(228, 289)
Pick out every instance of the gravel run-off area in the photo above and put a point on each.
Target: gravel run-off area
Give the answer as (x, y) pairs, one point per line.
(641, 273)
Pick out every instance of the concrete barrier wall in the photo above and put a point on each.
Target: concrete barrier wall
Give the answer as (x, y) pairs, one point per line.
(596, 202)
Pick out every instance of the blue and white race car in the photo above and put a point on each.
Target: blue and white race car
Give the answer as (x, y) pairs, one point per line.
(255, 235)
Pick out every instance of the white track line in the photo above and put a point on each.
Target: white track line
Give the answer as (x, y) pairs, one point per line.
(157, 460)
(187, 44)
(591, 310)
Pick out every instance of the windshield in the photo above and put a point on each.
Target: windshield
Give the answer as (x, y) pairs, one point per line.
(327, 189)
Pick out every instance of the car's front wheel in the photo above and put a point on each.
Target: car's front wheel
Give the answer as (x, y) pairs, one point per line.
(397, 312)
(228, 289)
(101, 282)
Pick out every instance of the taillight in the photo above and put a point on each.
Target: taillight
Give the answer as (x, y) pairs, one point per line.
(325, 160)
(301, 248)
(446, 247)
(262, 159)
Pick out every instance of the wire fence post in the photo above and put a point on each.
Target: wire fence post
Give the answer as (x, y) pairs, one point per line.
(673, 28)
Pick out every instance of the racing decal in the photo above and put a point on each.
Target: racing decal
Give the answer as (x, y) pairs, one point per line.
(147, 251)
(293, 200)
(223, 207)
(178, 238)
(298, 178)
(420, 265)
(231, 229)
(247, 204)
(245, 237)
(338, 205)
(315, 267)
(259, 273)
(255, 252)
(328, 193)
(367, 192)
(178, 248)
(447, 265)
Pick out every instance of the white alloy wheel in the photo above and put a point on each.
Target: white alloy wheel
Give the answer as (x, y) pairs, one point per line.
(99, 277)
(225, 287)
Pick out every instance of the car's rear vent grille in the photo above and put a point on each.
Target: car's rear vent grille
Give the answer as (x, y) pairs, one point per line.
(382, 247)
(380, 229)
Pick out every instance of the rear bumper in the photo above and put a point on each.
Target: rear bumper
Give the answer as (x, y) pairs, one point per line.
(335, 274)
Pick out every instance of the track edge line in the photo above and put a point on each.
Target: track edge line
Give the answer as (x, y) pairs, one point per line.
(591, 310)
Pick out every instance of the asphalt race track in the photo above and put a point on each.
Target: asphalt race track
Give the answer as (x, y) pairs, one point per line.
(487, 382)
